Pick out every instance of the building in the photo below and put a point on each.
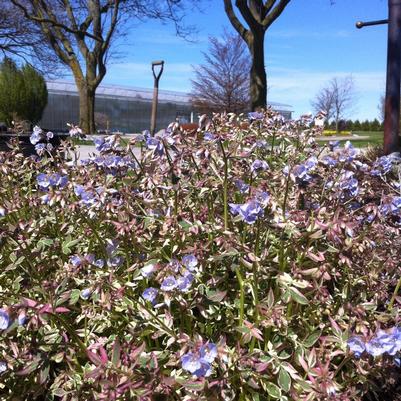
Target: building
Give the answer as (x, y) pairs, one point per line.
(124, 109)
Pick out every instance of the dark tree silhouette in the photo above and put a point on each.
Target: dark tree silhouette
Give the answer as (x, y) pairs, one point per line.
(222, 82)
(258, 15)
(80, 34)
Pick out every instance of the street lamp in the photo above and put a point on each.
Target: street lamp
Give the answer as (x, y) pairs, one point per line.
(157, 69)
(393, 81)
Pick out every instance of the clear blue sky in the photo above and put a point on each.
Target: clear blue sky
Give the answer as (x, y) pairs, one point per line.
(309, 44)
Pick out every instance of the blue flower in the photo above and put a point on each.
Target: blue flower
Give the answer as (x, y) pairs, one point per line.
(263, 198)
(190, 261)
(150, 294)
(111, 247)
(255, 115)
(88, 198)
(156, 145)
(75, 260)
(40, 148)
(208, 352)
(4, 319)
(208, 136)
(348, 153)
(49, 135)
(115, 261)
(58, 180)
(261, 144)
(184, 283)
(199, 363)
(356, 345)
(348, 184)
(311, 163)
(22, 318)
(382, 166)
(43, 181)
(300, 173)
(249, 211)
(382, 343)
(191, 362)
(259, 165)
(99, 263)
(105, 144)
(329, 161)
(36, 136)
(242, 186)
(169, 284)
(86, 293)
(3, 367)
(148, 270)
(333, 145)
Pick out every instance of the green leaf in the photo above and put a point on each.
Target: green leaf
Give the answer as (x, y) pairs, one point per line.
(297, 296)
(284, 380)
(312, 338)
(273, 390)
(115, 358)
(216, 296)
(74, 296)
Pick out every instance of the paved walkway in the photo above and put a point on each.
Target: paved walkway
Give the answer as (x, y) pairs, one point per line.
(86, 150)
(342, 138)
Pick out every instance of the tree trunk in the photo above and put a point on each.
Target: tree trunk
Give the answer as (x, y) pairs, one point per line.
(258, 82)
(86, 108)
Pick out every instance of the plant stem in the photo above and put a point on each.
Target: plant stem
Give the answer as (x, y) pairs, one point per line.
(242, 296)
(390, 305)
(225, 186)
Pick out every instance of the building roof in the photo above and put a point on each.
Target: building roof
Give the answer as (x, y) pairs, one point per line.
(134, 93)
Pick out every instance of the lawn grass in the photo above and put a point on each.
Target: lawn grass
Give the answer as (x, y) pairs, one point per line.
(375, 139)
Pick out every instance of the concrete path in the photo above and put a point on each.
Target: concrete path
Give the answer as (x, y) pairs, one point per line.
(86, 150)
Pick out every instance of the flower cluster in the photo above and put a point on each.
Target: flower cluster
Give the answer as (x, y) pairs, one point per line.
(54, 180)
(111, 163)
(198, 362)
(300, 173)
(382, 166)
(41, 140)
(105, 144)
(180, 279)
(384, 342)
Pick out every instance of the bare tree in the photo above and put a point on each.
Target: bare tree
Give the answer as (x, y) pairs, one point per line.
(324, 102)
(222, 82)
(259, 16)
(336, 99)
(81, 32)
(22, 40)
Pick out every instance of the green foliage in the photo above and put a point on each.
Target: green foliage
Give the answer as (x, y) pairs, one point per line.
(23, 93)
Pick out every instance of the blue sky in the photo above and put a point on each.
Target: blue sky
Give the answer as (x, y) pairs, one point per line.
(312, 42)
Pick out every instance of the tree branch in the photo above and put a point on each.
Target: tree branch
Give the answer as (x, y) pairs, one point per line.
(235, 21)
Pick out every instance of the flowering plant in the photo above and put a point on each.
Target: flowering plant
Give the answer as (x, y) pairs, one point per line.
(241, 263)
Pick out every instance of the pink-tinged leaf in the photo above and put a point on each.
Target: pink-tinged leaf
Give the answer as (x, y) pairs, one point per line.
(335, 326)
(95, 359)
(62, 309)
(31, 367)
(137, 351)
(30, 303)
(46, 309)
(316, 258)
(261, 367)
(303, 363)
(103, 355)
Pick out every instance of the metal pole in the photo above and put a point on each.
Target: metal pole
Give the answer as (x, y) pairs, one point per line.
(392, 103)
(155, 94)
